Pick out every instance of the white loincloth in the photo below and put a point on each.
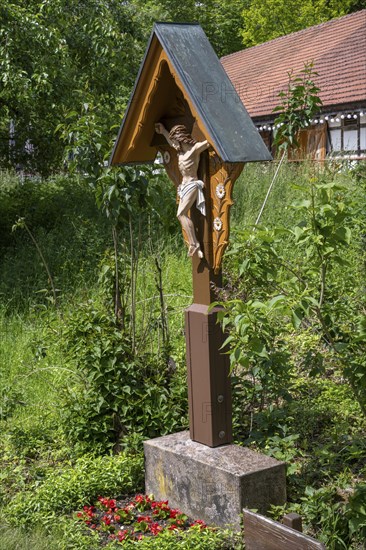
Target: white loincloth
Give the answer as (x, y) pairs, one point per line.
(188, 188)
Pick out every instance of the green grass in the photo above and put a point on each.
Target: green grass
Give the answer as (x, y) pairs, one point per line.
(19, 539)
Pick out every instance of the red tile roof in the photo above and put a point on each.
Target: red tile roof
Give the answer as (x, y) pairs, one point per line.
(337, 48)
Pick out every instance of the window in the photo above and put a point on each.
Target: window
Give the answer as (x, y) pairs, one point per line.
(363, 138)
(350, 140)
(347, 134)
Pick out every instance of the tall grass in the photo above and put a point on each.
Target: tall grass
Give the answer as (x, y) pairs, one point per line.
(251, 188)
(70, 231)
(19, 539)
(73, 236)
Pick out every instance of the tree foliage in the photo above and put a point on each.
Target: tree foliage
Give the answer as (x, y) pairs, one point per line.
(56, 56)
(53, 57)
(221, 21)
(265, 20)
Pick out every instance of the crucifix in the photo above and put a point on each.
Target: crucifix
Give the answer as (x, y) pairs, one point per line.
(185, 107)
(190, 190)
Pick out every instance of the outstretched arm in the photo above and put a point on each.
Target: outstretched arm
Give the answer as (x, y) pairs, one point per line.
(160, 129)
(201, 146)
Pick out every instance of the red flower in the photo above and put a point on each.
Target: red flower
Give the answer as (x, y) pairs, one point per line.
(155, 528)
(159, 504)
(106, 520)
(129, 507)
(135, 520)
(144, 518)
(122, 535)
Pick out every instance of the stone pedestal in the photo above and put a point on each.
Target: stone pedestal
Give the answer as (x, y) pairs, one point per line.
(212, 484)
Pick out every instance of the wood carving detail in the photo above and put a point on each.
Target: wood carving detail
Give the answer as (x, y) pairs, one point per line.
(219, 182)
(222, 178)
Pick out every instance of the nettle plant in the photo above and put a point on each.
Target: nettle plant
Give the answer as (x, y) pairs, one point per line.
(298, 104)
(114, 393)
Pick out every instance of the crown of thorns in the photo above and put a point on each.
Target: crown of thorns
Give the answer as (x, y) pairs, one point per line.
(181, 134)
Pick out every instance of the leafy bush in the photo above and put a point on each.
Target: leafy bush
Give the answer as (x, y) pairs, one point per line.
(10, 398)
(356, 512)
(115, 393)
(294, 310)
(291, 286)
(69, 488)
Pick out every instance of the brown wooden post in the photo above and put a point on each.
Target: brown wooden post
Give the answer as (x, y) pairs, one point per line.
(208, 367)
(293, 520)
(209, 390)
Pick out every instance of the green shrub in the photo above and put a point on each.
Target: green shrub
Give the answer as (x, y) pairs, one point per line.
(192, 539)
(10, 398)
(66, 489)
(356, 512)
(69, 535)
(301, 284)
(115, 392)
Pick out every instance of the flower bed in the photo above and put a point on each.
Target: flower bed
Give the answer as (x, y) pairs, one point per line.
(125, 520)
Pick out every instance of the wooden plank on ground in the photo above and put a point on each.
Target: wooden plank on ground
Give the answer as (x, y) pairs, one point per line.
(261, 533)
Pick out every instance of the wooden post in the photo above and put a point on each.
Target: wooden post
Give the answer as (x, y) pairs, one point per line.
(293, 520)
(209, 389)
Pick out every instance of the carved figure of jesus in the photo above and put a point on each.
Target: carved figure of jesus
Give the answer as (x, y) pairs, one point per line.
(191, 188)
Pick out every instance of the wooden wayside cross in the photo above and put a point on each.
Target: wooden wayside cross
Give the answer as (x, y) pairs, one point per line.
(182, 84)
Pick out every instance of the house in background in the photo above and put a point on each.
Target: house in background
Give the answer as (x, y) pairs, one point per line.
(337, 49)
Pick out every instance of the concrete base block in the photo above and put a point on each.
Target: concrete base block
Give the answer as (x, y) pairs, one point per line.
(212, 484)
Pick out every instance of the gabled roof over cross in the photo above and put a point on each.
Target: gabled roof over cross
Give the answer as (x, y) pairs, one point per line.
(181, 77)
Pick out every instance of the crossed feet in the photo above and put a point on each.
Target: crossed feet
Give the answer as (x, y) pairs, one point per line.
(193, 248)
